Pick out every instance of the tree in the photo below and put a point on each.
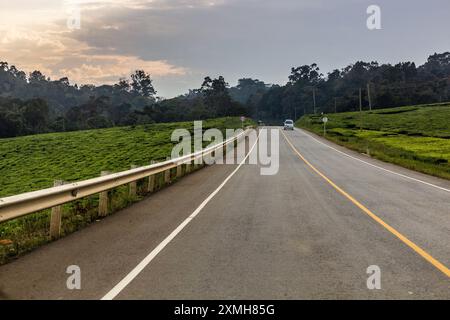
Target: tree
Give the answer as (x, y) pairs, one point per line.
(36, 115)
(123, 85)
(64, 82)
(142, 84)
(4, 66)
(438, 64)
(305, 75)
(216, 96)
(9, 127)
(213, 87)
(248, 89)
(36, 77)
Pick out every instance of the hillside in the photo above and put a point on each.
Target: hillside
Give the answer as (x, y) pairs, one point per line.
(416, 137)
(33, 162)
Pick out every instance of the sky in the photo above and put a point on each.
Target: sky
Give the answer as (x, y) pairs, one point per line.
(179, 42)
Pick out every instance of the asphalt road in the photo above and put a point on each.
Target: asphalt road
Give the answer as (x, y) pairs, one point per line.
(227, 232)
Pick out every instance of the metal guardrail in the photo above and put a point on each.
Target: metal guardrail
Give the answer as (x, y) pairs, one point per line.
(30, 202)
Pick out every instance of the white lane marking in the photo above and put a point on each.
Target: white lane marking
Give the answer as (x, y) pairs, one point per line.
(375, 166)
(138, 269)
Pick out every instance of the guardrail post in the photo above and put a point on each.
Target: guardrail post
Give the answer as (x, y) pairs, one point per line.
(188, 167)
(151, 181)
(133, 185)
(167, 174)
(103, 200)
(55, 218)
(202, 160)
(194, 164)
(179, 170)
(159, 180)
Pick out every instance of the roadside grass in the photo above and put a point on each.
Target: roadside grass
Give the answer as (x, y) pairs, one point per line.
(34, 162)
(415, 137)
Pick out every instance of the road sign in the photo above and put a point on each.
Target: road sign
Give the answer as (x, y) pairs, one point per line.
(324, 119)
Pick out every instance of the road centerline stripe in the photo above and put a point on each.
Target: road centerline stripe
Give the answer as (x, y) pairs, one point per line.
(141, 266)
(389, 228)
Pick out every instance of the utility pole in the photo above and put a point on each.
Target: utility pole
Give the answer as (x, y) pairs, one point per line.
(335, 105)
(360, 109)
(314, 99)
(368, 95)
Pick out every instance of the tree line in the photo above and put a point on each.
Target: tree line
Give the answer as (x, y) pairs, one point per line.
(34, 103)
(372, 84)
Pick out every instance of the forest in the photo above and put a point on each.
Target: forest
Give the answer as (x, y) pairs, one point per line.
(33, 103)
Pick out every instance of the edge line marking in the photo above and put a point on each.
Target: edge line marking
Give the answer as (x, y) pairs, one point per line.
(141, 266)
(392, 230)
(373, 165)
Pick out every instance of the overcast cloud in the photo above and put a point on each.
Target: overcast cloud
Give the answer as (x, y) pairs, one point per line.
(179, 42)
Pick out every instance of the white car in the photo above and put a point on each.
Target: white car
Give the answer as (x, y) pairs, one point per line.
(288, 125)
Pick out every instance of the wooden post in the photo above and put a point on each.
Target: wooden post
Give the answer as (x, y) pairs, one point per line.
(133, 185)
(103, 200)
(151, 180)
(197, 163)
(188, 167)
(151, 183)
(55, 218)
(179, 170)
(159, 180)
(167, 174)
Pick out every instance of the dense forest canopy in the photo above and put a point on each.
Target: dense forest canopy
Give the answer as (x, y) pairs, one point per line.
(388, 85)
(34, 103)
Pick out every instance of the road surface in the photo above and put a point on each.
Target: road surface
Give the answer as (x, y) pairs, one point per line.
(227, 232)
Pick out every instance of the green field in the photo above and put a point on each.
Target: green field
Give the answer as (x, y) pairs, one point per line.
(416, 137)
(34, 162)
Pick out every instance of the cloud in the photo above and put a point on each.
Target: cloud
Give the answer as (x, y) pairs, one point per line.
(143, 4)
(46, 44)
(57, 55)
(103, 69)
(176, 41)
(181, 41)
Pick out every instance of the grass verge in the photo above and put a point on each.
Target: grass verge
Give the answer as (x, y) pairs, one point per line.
(34, 162)
(415, 137)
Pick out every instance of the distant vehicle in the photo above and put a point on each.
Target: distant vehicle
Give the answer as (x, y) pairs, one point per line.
(288, 125)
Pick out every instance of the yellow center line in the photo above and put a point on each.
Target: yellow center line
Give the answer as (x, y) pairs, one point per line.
(392, 230)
